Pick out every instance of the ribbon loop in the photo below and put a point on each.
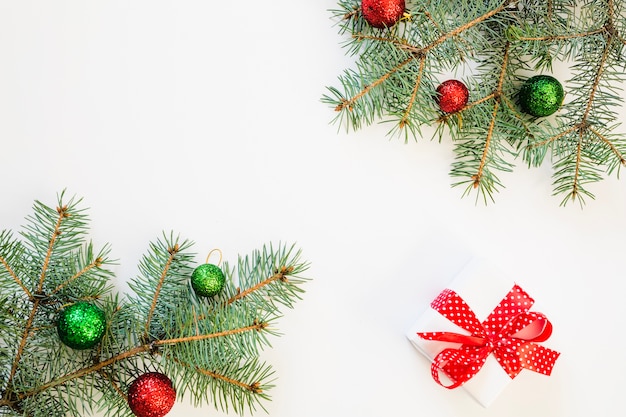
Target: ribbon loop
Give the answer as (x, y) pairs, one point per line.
(509, 332)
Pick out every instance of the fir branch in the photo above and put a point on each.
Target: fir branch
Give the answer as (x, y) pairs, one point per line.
(254, 326)
(397, 69)
(555, 38)
(8, 246)
(95, 264)
(478, 177)
(136, 351)
(114, 384)
(349, 103)
(278, 276)
(172, 250)
(63, 213)
(216, 340)
(619, 156)
(254, 387)
(405, 117)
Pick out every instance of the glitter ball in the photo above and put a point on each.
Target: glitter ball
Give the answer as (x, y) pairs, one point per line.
(382, 13)
(207, 280)
(452, 96)
(151, 395)
(81, 325)
(541, 95)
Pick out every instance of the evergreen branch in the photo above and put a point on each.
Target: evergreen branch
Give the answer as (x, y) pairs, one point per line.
(405, 117)
(17, 279)
(559, 136)
(477, 178)
(554, 38)
(416, 52)
(42, 376)
(113, 384)
(596, 81)
(550, 7)
(79, 373)
(97, 263)
(281, 275)
(444, 118)
(172, 253)
(455, 32)
(254, 387)
(610, 144)
(517, 115)
(63, 212)
(591, 36)
(349, 103)
(429, 16)
(254, 326)
(575, 182)
(130, 353)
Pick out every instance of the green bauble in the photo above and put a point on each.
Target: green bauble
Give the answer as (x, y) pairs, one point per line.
(81, 325)
(207, 280)
(541, 95)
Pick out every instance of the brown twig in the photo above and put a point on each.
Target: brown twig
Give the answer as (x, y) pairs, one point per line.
(95, 264)
(477, 178)
(405, 117)
(281, 275)
(63, 214)
(416, 53)
(17, 279)
(144, 348)
(172, 251)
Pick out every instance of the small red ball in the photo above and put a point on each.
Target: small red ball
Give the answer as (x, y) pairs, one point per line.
(151, 395)
(382, 13)
(452, 96)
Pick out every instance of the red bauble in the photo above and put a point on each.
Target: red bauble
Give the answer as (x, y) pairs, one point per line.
(452, 96)
(382, 13)
(151, 395)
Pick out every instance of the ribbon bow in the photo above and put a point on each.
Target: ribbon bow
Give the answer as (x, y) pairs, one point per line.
(508, 333)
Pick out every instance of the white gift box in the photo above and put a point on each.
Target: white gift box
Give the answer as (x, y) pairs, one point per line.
(482, 287)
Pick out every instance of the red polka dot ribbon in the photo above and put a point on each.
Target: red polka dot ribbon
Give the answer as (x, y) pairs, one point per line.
(509, 333)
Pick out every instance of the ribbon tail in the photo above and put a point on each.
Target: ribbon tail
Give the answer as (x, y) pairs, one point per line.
(537, 358)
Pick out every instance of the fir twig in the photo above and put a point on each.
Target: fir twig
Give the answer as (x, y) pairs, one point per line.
(214, 342)
(397, 69)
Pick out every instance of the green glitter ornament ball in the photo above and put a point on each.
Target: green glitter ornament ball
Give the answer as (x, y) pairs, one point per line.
(541, 95)
(81, 325)
(207, 280)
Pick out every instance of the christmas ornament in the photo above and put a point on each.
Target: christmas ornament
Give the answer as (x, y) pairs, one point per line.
(151, 395)
(382, 13)
(81, 325)
(207, 280)
(452, 96)
(541, 95)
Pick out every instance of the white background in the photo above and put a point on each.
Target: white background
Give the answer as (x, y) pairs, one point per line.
(205, 118)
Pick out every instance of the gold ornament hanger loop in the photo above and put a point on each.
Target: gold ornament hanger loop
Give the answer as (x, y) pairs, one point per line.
(210, 253)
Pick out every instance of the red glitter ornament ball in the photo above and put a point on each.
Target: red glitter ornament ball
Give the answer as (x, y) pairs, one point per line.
(151, 395)
(382, 13)
(452, 96)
